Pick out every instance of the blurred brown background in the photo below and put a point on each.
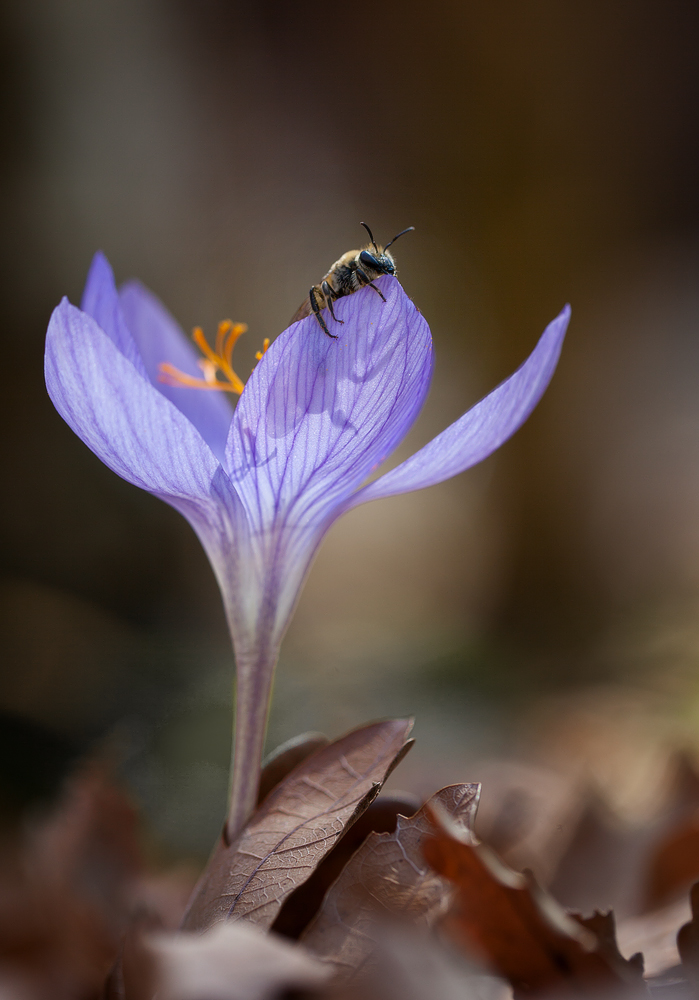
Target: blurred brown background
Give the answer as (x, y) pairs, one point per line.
(225, 152)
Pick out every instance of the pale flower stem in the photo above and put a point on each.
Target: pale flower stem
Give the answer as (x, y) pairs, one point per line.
(254, 676)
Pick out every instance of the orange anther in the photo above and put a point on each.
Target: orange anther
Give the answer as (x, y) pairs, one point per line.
(214, 361)
(223, 328)
(265, 344)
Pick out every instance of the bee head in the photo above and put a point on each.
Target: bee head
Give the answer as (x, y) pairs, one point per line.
(380, 263)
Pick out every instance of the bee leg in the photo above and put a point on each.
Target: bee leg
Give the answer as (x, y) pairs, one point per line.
(330, 295)
(366, 281)
(316, 312)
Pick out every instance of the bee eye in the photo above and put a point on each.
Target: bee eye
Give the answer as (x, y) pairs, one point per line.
(369, 260)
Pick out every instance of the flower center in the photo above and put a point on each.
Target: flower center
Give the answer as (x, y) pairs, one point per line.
(214, 363)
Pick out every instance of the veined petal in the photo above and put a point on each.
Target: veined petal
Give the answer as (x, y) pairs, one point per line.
(481, 430)
(130, 426)
(101, 301)
(160, 338)
(317, 415)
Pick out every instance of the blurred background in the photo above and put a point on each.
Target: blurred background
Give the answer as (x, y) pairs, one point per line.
(542, 606)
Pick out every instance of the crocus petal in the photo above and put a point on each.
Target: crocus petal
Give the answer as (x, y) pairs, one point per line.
(101, 301)
(481, 430)
(160, 338)
(119, 415)
(317, 414)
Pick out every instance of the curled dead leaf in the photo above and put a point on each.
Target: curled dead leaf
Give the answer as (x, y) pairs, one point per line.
(381, 816)
(386, 877)
(296, 826)
(519, 930)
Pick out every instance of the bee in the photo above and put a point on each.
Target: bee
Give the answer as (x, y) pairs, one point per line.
(352, 271)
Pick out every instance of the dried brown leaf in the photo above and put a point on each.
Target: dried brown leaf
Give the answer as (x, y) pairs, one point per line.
(285, 758)
(386, 876)
(231, 962)
(296, 826)
(303, 904)
(517, 928)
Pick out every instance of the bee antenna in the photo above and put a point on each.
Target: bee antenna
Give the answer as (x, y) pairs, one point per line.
(371, 236)
(410, 229)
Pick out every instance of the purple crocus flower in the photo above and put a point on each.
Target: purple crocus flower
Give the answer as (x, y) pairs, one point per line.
(262, 483)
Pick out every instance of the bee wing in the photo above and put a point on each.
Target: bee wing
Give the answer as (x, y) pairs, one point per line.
(303, 310)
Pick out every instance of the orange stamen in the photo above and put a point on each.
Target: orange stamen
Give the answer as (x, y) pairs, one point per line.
(173, 376)
(265, 345)
(223, 328)
(213, 362)
(237, 329)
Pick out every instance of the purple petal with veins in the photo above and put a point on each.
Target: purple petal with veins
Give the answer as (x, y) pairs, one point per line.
(482, 429)
(160, 338)
(101, 301)
(119, 415)
(318, 415)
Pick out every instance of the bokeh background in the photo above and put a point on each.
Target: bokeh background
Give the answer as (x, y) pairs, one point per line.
(544, 605)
